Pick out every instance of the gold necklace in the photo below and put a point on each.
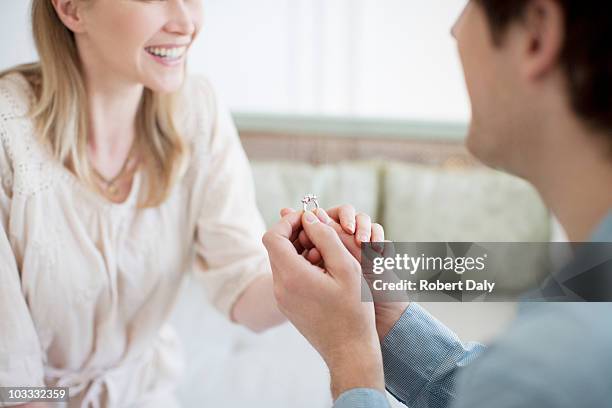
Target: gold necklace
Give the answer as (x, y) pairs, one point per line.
(112, 185)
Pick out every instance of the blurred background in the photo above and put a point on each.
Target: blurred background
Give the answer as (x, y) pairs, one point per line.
(349, 58)
(357, 101)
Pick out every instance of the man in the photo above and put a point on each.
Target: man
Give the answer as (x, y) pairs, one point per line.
(539, 77)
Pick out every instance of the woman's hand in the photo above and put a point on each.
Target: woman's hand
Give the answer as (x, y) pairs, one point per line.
(353, 229)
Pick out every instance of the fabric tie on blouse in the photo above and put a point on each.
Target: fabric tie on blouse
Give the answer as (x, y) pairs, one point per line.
(92, 380)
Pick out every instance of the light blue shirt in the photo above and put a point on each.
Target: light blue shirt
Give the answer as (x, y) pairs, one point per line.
(553, 355)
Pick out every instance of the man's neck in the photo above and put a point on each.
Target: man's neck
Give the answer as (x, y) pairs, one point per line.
(575, 177)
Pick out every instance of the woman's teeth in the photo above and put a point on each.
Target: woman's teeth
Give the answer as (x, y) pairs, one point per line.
(167, 53)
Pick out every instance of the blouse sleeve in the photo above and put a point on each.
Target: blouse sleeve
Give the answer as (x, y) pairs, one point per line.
(21, 360)
(229, 227)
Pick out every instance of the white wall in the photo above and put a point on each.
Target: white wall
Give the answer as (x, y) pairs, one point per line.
(15, 32)
(381, 58)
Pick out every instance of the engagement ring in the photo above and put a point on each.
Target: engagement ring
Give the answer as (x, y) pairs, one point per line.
(310, 198)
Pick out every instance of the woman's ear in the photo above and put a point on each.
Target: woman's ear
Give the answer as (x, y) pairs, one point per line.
(70, 13)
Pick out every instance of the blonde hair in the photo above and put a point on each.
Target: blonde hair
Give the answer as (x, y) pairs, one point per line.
(62, 123)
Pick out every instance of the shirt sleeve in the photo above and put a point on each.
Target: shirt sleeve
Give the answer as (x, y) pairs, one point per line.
(229, 227)
(362, 398)
(421, 359)
(545, 360)
(21, 359)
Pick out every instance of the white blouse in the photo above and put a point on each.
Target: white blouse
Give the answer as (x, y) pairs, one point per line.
(87, 285)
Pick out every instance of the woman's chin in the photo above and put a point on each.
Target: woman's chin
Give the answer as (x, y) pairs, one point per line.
(166, 84)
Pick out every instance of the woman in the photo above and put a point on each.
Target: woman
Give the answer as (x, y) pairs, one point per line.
(119, 174)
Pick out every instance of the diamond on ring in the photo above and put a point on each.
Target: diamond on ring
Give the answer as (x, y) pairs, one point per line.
(310, 199)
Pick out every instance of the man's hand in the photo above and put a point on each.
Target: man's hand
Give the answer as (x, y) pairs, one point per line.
(325, 303)
(353, 228)
(387, 313)
(341, 219)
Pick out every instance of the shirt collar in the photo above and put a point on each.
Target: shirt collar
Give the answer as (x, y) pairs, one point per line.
(603, 232)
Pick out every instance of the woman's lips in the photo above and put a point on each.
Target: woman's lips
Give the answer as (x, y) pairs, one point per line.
(167, 55)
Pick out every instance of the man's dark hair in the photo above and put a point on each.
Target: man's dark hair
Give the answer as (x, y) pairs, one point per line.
(586, 56)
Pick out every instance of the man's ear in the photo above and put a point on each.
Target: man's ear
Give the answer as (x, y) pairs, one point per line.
(544, 25)
(69, 12)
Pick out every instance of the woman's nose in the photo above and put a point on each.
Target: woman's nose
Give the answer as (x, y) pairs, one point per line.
(181, 19)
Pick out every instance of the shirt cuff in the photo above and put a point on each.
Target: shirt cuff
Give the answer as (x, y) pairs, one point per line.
(419, 356)
(362, 398)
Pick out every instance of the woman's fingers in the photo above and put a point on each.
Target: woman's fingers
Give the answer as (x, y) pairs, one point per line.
(364, 228)
(378, 233)
(345, 216)
(347, 239)
(378, 237)
(366, 231)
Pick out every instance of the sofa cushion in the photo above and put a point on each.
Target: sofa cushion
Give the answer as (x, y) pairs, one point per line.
(422, 204)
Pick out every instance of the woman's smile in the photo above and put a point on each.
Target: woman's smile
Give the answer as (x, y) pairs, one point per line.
(167, 55)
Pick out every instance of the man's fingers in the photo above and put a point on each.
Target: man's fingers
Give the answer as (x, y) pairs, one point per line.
(324, 218)
(292, 272)
(304, 240)
(286, 211)
(326, 240)
(298, 246)
(283, 213)
(314, 256)
(281, 236)
(288, 264)
(287, 225)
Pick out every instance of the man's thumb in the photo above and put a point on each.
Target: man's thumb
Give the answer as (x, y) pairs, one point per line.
(326, 240)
